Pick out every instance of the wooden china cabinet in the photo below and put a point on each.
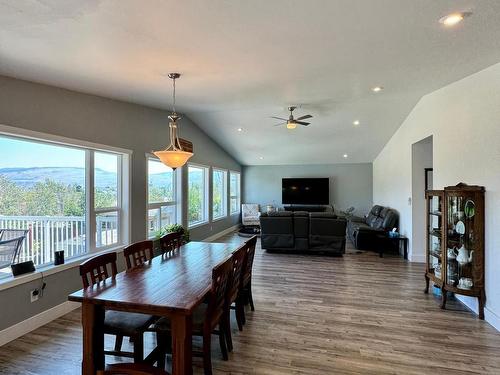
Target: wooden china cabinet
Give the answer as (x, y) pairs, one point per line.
(455, 242)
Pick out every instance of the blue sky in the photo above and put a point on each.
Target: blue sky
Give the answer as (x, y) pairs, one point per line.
(16, 153)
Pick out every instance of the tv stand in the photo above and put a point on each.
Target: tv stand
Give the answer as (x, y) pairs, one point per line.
(309, 208)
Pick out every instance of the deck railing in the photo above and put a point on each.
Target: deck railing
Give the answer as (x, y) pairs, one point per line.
(48, 234)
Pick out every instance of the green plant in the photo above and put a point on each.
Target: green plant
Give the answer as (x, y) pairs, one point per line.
(178, 228)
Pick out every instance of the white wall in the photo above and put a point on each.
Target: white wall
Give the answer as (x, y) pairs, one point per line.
(464, 120)
(350, 184)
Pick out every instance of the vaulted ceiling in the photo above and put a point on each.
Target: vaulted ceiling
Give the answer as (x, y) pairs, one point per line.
(243, 61)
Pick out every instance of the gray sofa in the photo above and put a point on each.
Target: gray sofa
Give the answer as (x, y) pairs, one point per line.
(363, 232)
(305, 232)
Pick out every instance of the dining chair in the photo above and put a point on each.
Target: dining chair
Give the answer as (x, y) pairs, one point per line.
(170, 242)
(138, 253)
(206, 317)
(233, 292)
(97, 271)
(246, 275)
(131, 369)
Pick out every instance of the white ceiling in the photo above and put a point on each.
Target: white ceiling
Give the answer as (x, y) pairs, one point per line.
(243, 61)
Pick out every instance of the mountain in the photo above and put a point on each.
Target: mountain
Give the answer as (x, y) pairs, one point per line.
(28, 177)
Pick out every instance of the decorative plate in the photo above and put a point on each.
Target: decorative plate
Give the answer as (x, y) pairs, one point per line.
(460, 227)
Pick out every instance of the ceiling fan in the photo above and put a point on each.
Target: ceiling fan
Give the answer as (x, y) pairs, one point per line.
(291, 122)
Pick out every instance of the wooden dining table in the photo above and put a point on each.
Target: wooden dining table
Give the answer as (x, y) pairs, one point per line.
(169, 285)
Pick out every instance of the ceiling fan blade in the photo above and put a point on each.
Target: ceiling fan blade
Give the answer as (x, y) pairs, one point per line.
(302, 123)
(279, 118)
(304, 117)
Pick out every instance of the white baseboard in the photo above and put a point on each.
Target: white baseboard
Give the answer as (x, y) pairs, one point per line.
(222, 233)
(492, 318)
(36, 321)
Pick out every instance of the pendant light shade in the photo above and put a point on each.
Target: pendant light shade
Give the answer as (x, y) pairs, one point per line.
(174, 156)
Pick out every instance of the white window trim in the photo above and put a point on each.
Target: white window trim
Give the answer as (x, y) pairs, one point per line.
(225, 194)
(123, 179)
(205, 193)
(159, 205)
(234, 196)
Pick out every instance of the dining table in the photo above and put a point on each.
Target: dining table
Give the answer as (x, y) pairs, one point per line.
(170, 285)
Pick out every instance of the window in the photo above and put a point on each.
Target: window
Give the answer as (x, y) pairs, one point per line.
(106, 198)
(68, 197)
(235, 192)
(161, 196)
(197, 195)
(219, 193)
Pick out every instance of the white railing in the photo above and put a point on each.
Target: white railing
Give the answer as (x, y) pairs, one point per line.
(48, 234)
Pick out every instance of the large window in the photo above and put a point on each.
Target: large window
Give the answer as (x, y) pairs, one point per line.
(67, 197)
(235, 192)
(219, 193)
(161, 196)
(197, 195)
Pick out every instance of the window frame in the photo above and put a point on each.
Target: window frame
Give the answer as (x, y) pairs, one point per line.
(124, 184)
(238, 196)
(206, 195)
(159, 205)
(225, 194)
(104, 210)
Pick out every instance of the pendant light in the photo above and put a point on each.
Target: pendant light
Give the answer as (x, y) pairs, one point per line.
(173, 156)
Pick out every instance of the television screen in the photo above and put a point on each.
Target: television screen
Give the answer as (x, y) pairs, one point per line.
(305, 191)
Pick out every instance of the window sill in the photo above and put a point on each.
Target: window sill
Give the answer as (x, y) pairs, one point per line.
(235, 213)
(219, 218)
(197, 225)
(9, 281)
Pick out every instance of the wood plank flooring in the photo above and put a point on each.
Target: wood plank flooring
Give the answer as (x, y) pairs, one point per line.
(359, 314)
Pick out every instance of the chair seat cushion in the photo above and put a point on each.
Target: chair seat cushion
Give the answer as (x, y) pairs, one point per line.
(163, 324)
(126, 323)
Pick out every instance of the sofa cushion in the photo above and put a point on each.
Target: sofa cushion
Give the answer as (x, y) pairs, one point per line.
(323, 215)
(301, 224)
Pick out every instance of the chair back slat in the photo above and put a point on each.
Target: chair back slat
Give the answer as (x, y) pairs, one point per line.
(238, 259)
(138, 253)
(246, 274)
(97, 269)
(170, 242)
(221, 275)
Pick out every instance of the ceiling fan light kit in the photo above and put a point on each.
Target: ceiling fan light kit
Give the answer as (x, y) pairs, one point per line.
(174, 156)
(291, 123)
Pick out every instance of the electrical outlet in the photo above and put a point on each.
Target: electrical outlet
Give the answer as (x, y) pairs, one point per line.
(34, 295)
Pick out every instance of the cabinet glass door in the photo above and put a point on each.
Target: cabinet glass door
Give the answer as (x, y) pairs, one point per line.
(434, 245)
(460, 240)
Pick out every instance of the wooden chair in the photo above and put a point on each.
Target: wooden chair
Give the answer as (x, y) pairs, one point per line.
(233, 292)
(170, 242)
(131, 369)
(246, 276)
(206, 317)
(118, 323)
(138, 253)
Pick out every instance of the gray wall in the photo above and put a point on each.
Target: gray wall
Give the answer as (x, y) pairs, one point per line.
(95, 119)
(350, 184)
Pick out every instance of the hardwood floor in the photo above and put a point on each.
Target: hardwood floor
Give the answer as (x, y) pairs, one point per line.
(359, 314)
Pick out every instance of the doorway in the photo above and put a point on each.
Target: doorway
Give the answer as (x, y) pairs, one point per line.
(422, 179)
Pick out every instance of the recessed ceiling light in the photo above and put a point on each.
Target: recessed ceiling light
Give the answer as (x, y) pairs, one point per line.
(453, 18)
(377, 89)
(261, 157)
(240, 129)
(345, 155)
(356, 122)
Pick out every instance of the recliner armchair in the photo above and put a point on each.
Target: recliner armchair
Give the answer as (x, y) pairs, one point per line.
(363, 231)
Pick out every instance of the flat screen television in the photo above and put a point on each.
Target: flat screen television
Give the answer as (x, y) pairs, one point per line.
(305, 191)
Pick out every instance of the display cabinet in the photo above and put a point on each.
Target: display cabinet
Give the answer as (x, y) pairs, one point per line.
(455, 242)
